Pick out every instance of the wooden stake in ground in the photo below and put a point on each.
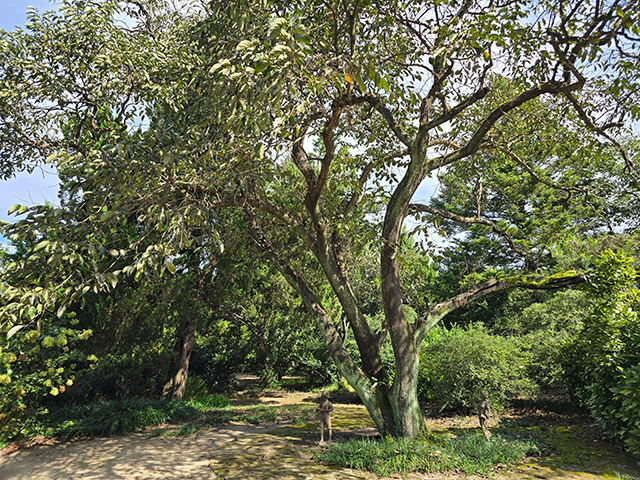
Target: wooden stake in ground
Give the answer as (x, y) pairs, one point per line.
(325, 408)
(484, 412)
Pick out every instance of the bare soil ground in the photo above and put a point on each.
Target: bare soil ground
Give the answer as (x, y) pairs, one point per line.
(285, 451)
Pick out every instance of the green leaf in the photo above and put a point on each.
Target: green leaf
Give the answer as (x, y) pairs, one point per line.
(41, 245)
(13, 330)
(243, 45)
(171, 267)
(13, 208)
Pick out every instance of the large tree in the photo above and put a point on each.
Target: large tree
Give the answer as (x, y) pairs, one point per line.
(318, 119)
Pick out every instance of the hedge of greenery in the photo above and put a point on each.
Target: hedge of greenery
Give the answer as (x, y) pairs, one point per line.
(602, 363)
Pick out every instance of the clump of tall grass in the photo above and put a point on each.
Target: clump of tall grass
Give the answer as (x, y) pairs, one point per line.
(209, 401)
(113, 417)
(471, 454)
(119, 416)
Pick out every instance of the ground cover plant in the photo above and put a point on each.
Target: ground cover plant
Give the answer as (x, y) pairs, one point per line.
(113, 417)
(470, 454)
(126, 415)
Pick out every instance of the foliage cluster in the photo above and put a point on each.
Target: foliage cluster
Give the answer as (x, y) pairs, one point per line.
(38, 362)
(457, 364)
(118, 377)
(469, 453)
(601, 364)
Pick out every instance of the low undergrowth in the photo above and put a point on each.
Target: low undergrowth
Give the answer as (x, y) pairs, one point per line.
(470, 454)
(255, 414)
(114, 417)
(127, 415)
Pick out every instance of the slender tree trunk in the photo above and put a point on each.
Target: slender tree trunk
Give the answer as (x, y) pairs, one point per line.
(179, 369)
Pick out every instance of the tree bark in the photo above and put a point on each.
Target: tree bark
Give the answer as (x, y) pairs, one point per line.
(179, 369)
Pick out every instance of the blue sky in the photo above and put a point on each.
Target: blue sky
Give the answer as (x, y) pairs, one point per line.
(41, 185)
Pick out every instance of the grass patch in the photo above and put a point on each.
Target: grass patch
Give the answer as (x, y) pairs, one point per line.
(114, 417)
(127, 415)
(256, 414)
(210, 401)
(471, 454)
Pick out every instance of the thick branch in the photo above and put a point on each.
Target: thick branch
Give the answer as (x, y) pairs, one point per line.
(328, 139)
(391, 121)
(298, 154)
(492, 287)
(357, 195)
(475, 142)
(455, 111)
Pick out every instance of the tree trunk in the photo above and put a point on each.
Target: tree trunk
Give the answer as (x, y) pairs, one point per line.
(403, 397)
(179, 369)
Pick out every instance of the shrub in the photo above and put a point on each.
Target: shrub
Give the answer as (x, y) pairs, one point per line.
(219, 356)
(456, 364)
(38, 364)
(543, 351)
(600, 365)
(126, 376)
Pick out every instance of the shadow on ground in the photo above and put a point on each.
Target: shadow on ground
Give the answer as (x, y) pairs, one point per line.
(576, 450)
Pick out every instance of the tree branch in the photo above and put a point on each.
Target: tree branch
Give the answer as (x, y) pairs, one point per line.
(357, 195)
(414, 208)
(530, 171)
(553, 282)
(391, 121)
(473, 145)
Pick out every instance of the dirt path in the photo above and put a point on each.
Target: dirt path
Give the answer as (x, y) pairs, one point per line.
(245, 452)
(136, 456)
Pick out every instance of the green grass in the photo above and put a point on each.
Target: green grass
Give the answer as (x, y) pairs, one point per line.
(114, 417)
(210, 401)
(126, 415)
(470, 454)
(256, 414)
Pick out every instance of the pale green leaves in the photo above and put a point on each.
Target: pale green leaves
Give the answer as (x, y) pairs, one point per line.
(20, 209)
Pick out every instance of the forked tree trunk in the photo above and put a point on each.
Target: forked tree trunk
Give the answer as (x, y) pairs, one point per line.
(179, 369)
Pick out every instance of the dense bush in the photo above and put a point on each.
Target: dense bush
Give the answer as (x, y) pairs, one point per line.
(38, 363)
(219, 356)
(456, 364)
(125, 376)
(600, 365)
(542, 349)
